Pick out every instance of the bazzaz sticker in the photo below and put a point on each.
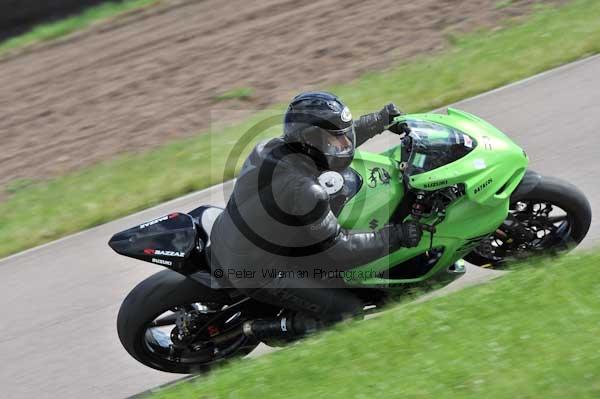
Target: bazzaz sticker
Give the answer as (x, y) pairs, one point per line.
(164, 253)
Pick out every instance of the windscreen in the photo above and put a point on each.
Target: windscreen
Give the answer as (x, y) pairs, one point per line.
(434, 145)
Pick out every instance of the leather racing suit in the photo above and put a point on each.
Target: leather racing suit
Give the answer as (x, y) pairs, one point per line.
(279, 219)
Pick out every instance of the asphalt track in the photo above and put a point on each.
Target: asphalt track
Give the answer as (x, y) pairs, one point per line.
(60, 301)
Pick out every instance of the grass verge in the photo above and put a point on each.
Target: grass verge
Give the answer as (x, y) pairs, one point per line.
(62, 27)
(242, 93)
(37, 213)
(533, 333)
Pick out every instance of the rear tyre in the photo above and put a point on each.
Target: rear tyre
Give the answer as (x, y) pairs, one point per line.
(168, 322)
(553, 217)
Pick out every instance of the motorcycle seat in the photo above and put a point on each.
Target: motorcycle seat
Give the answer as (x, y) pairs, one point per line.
(208, 218)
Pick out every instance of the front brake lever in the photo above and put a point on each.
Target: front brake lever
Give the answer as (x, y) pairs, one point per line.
(399, 128)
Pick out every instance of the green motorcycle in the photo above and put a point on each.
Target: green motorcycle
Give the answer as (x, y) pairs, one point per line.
(464, 180)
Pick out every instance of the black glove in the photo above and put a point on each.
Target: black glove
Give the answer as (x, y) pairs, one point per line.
(388, 113)
(400, 128)
(407, 234)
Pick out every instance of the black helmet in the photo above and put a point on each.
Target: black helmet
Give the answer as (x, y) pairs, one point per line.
(320, 125)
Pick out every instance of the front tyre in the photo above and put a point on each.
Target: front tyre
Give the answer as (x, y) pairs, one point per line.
(172, 323)
(552, 217)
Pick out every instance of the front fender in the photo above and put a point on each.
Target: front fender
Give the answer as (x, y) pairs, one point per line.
(530, 180)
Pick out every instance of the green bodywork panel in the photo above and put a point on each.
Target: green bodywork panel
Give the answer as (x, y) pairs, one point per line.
(381, 192)
(490, 173)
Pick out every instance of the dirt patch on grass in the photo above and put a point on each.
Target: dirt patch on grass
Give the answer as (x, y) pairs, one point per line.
(133, 86)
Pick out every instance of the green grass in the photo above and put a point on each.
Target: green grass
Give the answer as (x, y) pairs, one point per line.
(503, 3)
(475, 63)
(534, 333)
(17, 185)
(242, 93)
(53, 30)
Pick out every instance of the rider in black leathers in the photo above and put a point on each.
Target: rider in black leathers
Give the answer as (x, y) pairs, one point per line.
(279, 224)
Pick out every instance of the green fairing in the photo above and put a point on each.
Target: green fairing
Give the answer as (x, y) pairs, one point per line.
(490, 172)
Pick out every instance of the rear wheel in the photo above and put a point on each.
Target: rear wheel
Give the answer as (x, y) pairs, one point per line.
(551, 218)
(175, 324)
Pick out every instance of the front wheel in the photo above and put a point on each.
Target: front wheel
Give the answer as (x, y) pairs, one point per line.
(553, 217)
(172, 323)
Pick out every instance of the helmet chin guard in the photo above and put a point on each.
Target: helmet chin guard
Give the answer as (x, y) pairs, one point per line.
(330, 162)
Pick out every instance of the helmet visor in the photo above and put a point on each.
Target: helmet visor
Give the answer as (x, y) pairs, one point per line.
(331, 142)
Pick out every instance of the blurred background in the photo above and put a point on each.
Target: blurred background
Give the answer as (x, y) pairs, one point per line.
(19, 16)
(84, 85)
